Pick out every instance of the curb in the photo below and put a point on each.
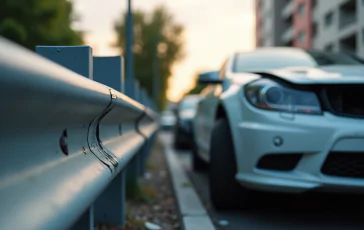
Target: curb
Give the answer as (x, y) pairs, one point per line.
(193, 214)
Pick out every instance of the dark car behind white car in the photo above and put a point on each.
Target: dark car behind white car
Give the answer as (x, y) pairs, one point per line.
(185, 113)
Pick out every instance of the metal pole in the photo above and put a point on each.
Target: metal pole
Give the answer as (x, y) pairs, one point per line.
(156, 72)
(132, 187)
(129, 47)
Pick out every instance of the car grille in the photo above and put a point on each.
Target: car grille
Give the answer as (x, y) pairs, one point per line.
(344, 164)
(346, 100)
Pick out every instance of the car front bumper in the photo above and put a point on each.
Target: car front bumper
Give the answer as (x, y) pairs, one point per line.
(330, 152)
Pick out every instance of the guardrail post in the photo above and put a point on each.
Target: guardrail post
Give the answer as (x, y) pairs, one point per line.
(144, 151)
(110, 205)
(150, 103)
(136, 91)
(86, 221)
(76, 58)
(79, 60)
(146, 99)
(129, 87)
(132, 186)
(154, 107)
(139, 156)
(109, 71)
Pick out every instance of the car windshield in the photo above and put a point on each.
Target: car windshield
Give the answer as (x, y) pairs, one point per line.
(266, 59)
(189, 103)
(331, 58)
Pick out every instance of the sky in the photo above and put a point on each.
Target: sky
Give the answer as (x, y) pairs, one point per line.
(214, 29)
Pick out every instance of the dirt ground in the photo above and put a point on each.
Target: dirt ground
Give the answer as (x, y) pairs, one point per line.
(156, 202)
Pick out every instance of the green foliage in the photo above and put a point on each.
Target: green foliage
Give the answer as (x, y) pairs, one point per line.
(150, 29)
(196, 90)
(38, 22)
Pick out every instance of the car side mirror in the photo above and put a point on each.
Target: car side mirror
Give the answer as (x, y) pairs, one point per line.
(209, 77)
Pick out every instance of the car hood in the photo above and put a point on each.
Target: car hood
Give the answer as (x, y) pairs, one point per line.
(335, 74)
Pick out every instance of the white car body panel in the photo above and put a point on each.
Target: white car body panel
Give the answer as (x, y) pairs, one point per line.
(253, 131)
(205, 120)
(313, 135)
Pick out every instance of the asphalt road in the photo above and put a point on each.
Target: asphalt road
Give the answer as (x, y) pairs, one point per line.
(281, 212)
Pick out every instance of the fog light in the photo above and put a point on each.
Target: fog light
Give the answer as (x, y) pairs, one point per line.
(277, 141)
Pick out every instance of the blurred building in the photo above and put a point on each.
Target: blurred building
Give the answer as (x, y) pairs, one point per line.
(321, 24)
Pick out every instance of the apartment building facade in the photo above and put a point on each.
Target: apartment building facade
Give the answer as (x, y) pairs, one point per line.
(333, 25)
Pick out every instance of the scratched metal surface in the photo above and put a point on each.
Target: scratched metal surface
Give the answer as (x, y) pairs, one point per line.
(63, 138)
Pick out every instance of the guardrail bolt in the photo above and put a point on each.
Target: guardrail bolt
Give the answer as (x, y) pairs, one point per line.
(63, 142)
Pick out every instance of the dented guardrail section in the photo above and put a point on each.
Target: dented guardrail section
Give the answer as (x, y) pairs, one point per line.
(66, 140)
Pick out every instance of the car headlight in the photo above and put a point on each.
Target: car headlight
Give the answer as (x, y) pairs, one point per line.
(267, 94)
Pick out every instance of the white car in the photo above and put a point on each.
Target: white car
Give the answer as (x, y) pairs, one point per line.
(167, 120)
(281, 120)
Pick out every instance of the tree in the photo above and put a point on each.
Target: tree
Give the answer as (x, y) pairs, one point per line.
(154, 33)
(38, 22)
(196, 90)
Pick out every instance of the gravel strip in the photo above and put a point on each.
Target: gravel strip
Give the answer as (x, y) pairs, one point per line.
(156, 204)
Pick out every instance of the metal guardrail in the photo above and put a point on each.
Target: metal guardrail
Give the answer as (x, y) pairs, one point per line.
(68, 142)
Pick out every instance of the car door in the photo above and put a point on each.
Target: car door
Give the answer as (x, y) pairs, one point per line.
(200, 131)
(206, 116)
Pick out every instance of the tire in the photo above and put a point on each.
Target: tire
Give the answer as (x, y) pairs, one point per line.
(225, 191)
(198, 164)
(177, 143)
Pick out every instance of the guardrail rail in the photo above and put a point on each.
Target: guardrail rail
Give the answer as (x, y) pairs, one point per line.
(71, 140)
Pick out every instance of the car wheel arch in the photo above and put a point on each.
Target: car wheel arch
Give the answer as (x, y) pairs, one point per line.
(222, 112)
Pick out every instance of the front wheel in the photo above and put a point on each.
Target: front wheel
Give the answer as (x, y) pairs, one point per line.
(225, 191)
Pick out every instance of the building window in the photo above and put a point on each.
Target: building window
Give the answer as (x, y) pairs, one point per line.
(329, 17)
(329, 48)
(301, 37)
(301, 9)
(314, 3)
(347, 14)
(349, 43)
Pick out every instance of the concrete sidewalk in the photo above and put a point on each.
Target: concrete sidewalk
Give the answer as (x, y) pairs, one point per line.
(193, 214)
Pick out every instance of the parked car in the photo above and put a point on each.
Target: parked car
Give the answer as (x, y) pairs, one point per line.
(168, 120)
(185, 113)
(281, 120)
